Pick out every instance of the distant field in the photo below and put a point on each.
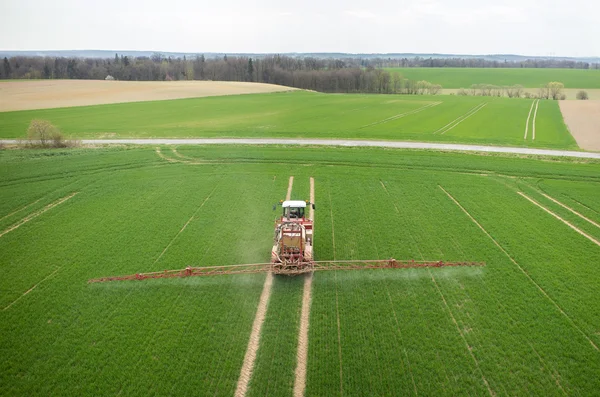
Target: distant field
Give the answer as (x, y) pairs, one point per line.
(44, 94)
(525, 324)
(530, 78)
(499, 121)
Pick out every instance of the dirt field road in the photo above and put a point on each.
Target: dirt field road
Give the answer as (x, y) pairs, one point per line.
(583, 120)
(338, 142)
(44, 94)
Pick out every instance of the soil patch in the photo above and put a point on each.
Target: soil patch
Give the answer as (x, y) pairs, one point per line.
(45, 94)
(583, 120)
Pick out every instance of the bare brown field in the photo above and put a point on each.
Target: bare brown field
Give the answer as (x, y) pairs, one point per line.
(45, 94)
(583, 120)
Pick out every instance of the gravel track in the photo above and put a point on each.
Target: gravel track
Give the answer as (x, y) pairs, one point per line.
(339, 142)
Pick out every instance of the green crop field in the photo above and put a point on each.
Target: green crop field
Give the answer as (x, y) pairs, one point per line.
(528, 323)
(529, 78)
(499, 121)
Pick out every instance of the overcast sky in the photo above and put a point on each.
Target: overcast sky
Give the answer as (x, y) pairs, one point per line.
(527, 27)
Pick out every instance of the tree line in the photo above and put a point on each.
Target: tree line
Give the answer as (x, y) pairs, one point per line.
(476, 63)
(324, 75)
(345, 75)
(552, 90)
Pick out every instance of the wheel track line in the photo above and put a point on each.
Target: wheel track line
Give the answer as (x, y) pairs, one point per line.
(31, 289)
(469, 115)
(398, 212)
(556, 305)
(259, 319)
(583, 205)
(188, 160)
(412, 378)
(394, 117)
(288, 195)
(570, 209)
(584, 234)
(388, 193)
(43, 196)
(181, 156)
(254, 341)
(162, 156)
(37, 213)
(302, 355)
(20, 209)
(337, 305)
(391, 302)
(528, 117)
(437, 287)
(459, 119)
(185, 225)
(553, 373)
(533, 122)
(399, 116)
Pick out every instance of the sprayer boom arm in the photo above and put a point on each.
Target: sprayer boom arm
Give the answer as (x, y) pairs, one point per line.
(269, 267)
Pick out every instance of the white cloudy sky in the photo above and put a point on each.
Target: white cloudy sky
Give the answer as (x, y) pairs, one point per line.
(530, 27)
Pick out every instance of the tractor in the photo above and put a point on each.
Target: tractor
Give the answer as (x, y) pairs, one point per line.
(292, 251)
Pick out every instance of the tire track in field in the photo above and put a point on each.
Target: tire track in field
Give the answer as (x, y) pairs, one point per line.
(185, 225)
(183, 159)
(584, 234)
(583, 205)
(64, 187)
(570, 209)
(399, 116)
(288, 195)
(462, 335)
(528, 117)
(556, 305)
(533, 122)
(553, 373)
(20, 209)
(259, 319)
(302, 355)
(337, 305)
(162, 156)
(181, 156)
(391, 301)
(460, 119)
(36, 214)
(31, 289)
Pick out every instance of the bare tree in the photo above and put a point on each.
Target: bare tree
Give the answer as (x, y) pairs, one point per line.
(518, 90)
(555, 89)
(473, 89)
(434, 89)
(582, 95)
(422, 86)
(43, 133)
